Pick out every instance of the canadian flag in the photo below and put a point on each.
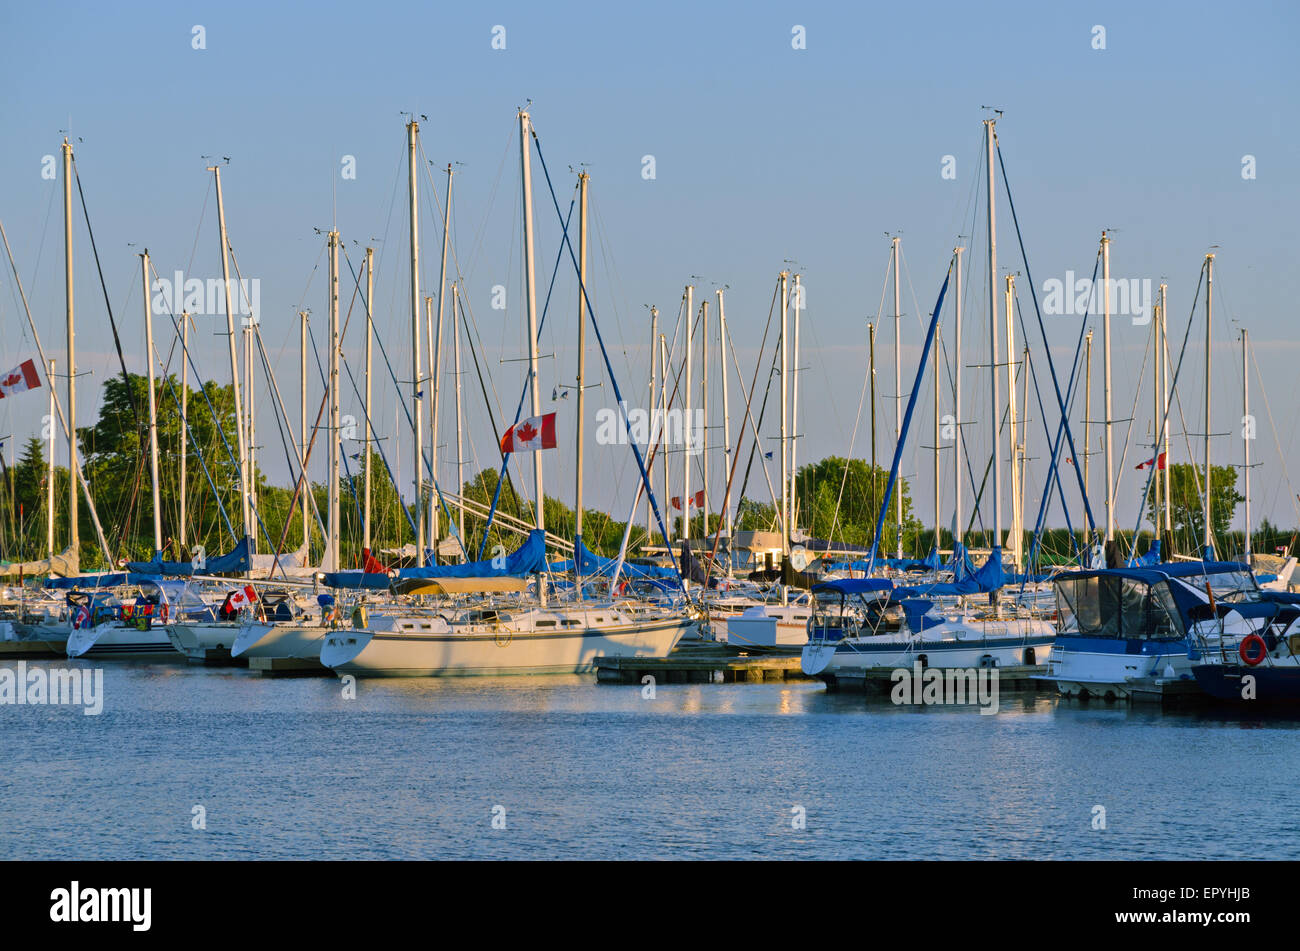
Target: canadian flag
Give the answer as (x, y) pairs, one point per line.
(1158, 460)
(529, 435)
(697, 501)
(242, 597)
(20, 378)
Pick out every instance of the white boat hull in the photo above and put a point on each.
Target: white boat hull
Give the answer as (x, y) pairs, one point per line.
(117, 641)
(204, 642)
(367, 653)
(285, 639)
(1015, 642)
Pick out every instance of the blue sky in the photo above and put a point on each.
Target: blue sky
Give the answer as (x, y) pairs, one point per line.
(763, 154)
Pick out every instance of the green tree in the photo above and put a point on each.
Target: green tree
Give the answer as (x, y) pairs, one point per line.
(1187, 485)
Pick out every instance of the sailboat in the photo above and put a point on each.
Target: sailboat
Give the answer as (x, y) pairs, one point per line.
(476, 629)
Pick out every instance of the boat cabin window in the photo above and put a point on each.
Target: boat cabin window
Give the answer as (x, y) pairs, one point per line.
(543, 624)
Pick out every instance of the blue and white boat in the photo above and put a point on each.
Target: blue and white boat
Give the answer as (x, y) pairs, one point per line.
(862, 623)
(1119, 626)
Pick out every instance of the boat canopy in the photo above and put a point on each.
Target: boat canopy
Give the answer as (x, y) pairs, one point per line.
(177, 594)
(1127, 603)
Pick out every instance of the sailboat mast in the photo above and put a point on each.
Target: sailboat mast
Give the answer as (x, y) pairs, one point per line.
(1208, 535)
(1157, 388)
(937, 539)
(686, 416)
(184, 430)
(654, 369)
(153, 409)
(996, 400)
(332, 543)
(1164, 407)
(580, 441)
(898, 392)
(530, 296)
(726, 414)
(958, 530)
(302, 423)
(1246, 435)
(871, 370)
(794, 404)
(1105, 358)
(785, 415)
(244, 500)
(49, 476)
(460, 459)
(370, 334)
(417, 453)
(1013, 456)
(74, 542)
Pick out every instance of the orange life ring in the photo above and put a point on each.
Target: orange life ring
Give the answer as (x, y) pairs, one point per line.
(1253, 650)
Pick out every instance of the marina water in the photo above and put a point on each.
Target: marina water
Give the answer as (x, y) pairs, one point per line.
(216, 763)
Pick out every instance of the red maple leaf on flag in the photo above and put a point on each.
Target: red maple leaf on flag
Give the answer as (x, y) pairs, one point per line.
(11, 379)
(526, 433)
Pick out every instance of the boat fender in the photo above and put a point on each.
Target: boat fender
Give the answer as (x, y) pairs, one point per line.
(1253, 650)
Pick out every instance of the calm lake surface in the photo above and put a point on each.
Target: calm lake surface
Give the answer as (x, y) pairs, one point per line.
(412, 769)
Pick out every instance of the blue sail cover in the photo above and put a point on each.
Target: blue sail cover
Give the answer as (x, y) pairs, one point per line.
(106, 580)
(1152, 557)
(989, 577)
(373, 580)
(589, 564)
(528, 559)
(959, 562)
(234, 563)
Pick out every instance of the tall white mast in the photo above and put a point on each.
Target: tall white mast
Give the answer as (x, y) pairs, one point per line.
(530, 296)
(726, 417)
(785, 414)
(686, 427)
(460, 459)
(74, 541)
(996, 401)
(959, 531)
(153, 409)
(794, 404)
(331, 560)
(302, 426)
(1208, 539)
(49, 476)
(898, 394)
(1157, 484)
(370, 334)
(938, 543)
(184, 433)
(1164, 406)
(580, 407)
(1109, 421)
(417, 384)
(1016, 527)
(654, 370)
(1246, 434)
(244, 499)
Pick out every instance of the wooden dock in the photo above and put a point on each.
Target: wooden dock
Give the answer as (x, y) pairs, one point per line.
(706, 663)
(288, 667)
